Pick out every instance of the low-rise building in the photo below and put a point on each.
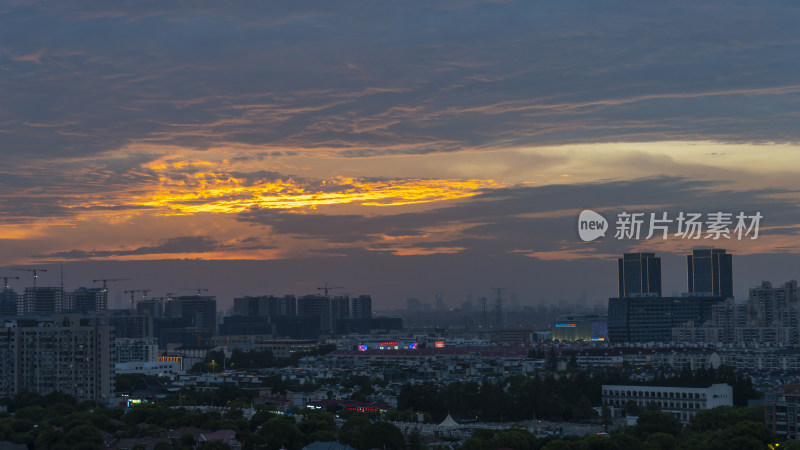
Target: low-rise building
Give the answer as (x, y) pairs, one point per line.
(682, 402)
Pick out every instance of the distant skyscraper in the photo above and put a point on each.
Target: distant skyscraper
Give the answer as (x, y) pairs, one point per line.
(639, 274)
(710, 271)
(361, 307)
(413, 305)
(440, 302)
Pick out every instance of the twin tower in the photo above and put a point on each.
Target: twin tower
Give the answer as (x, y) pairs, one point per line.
(708, 272)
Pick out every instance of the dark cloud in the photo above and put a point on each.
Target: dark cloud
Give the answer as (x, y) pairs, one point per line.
(184, 244)
(404, 78)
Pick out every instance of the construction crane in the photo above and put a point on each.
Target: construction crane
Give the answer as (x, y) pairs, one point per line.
(133, 291)
(5, 282)
(106, 280)
(35, 274)
(199, 290)
(327, 288)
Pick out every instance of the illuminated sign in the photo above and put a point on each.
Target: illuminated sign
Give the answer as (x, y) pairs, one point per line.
(560, 325)
(388, 344)
(362, 348)
(438, 344)
(136, 401)
(598, 339)
(171, 358)
(412, 346)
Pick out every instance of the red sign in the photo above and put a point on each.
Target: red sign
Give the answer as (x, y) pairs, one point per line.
(388, 344)
(438, 344)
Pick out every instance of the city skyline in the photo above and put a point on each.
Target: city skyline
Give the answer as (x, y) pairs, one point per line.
(396, 150)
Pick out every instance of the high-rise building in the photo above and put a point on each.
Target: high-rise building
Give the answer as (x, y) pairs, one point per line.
(265, 305)
(130, 325)
(135, 350)
(88, 301)
(8, 303)
(202, 309)
(651, 319)
(41, 301)
(340, 307)
(774, 306)
(64, 353)
(150, 307)
(440, 302)
(361, 307)
(710, 272)
(639, 274)
(316, 305)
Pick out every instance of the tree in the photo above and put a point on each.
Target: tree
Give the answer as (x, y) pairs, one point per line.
(661, 441)
(516, 438)
(383, 435)
(280, 432)
(651, 422)
(606, 415)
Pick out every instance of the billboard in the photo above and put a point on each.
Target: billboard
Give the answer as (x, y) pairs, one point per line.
(438, 344)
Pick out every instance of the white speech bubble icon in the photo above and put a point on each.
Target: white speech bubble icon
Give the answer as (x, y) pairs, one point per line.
(591, 225)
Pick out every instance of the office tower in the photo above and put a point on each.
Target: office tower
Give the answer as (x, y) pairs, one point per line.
(88, 301)
(316, 305)
(41, 301)
(8, 303)
(66, 353)
(201, 309)
(340, 307)
(361, 307)
(639, 274)
(710, 272)
(651, 319)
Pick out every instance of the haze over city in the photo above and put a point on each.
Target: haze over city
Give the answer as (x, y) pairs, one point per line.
(394, 149)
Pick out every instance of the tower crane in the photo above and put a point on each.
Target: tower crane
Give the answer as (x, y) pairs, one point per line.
(133, 291)
(199, 290)
(5, 282)
(106, 280)
(327, 288)
(35, 274)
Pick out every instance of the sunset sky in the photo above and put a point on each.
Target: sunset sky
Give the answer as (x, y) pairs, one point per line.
(393, 148)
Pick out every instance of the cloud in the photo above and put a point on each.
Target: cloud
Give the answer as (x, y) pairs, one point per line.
(541, 221)
(183, 244)
(372, 80)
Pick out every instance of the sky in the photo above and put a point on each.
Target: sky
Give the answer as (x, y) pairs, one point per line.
(399, 149)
